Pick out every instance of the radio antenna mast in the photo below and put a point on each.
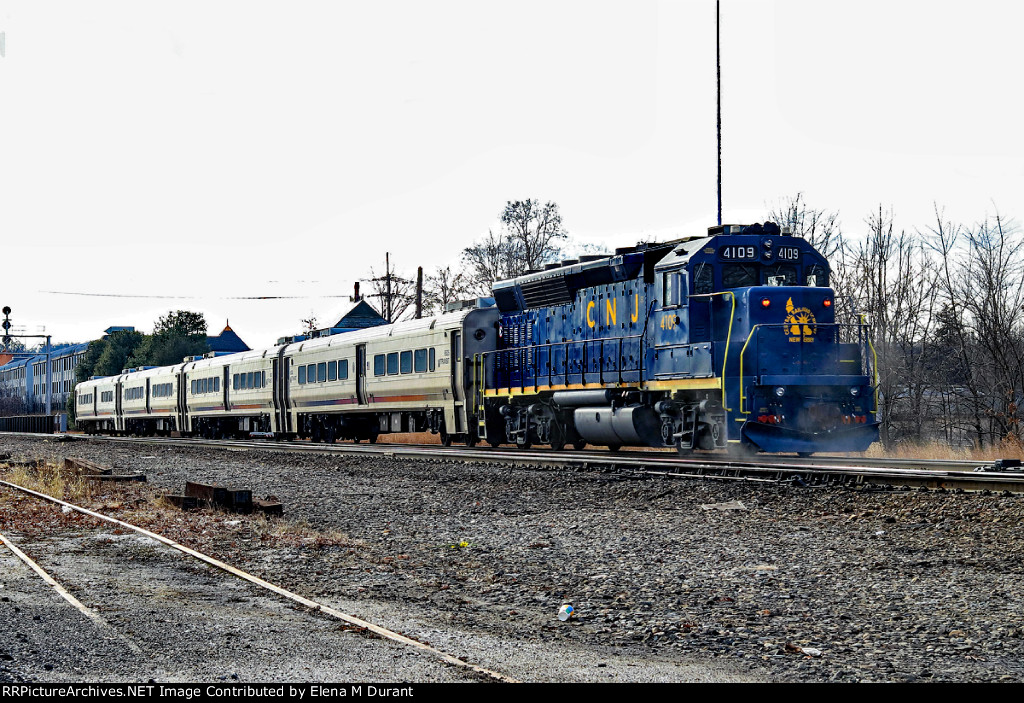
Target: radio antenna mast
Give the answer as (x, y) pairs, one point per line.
(718, 66)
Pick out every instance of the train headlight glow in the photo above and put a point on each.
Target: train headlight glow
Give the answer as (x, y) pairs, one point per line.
(827, 302)
(780, 391)
(765, 302)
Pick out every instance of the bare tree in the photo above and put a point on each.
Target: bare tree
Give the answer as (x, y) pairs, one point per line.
(992, 294)
(310, 324)
(442, 287)
(960, 393)
(819, 227)
(535, 230)
(895, 281)
(531, 235)
(490, 259)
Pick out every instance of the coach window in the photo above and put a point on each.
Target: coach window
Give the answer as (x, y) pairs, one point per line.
(302, 374)
(431, 358)
(407, 362)
(248, 380)
(378, 365)
(332, 370)
(343, 369)
(393, 364)
(234, 382)
(311, 373)
(420, 360)
(321, 372)
(216, 384)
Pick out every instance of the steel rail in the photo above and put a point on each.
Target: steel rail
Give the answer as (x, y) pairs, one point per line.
(234, 571)
(941, 474)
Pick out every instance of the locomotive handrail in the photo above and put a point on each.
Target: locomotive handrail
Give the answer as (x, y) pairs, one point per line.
(521, 354)
(782, 325)
(742, 352)
(728, 338)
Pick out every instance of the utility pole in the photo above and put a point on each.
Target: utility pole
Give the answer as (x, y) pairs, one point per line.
(387, 282)
(419, 292)
(718, 67)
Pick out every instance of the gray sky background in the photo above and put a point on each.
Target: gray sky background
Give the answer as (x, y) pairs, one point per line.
(219, 149)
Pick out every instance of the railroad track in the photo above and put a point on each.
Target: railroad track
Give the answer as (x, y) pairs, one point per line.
(105, 626)
(854, 472)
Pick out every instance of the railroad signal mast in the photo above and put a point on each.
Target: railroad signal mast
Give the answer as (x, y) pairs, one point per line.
(46, 350)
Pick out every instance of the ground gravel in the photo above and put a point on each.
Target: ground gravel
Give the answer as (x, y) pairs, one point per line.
(670, 579)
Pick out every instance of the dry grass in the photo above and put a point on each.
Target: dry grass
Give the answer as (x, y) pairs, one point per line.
(1008, 449)
(295, 533)
(51, 478)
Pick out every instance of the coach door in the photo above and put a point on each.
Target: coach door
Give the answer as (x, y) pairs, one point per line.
(149, 405)
(279, 371)
(118, 425)
(458, 382)
(182, 384)
(361, 374)
(227, 387)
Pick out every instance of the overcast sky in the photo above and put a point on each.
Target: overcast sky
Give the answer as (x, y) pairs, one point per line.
(211, 150)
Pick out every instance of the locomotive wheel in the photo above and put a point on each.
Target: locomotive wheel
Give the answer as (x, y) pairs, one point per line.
(558, 444)
(683, 450)
(614, 447)
(494, 443)
(373, 438)
(579, 444)
(446, 439)
(471, 440)
(805, 454)
(524, 445)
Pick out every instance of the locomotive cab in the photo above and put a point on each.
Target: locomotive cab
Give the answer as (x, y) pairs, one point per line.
(792, 378)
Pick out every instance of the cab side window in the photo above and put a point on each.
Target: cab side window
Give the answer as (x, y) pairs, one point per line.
(703, 279)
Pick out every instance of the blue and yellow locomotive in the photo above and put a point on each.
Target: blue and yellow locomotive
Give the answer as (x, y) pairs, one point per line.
(726, 340)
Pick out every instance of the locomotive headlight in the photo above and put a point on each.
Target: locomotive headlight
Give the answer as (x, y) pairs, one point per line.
(854, 391)
(765, 302)
(827, 302)
(780, 391)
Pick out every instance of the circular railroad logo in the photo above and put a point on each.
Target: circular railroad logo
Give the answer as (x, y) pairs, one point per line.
(799, 324)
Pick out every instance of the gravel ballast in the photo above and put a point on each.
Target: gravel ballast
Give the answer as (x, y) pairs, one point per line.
(669, 579)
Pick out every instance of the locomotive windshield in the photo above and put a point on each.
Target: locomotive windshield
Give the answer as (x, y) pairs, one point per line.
(781, 275)
(739, 275)
(746, 275)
